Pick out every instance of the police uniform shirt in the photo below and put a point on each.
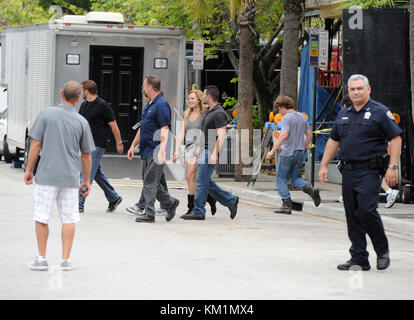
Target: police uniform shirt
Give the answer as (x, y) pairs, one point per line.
(363, 135)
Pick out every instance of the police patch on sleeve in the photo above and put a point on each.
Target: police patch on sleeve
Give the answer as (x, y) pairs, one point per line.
(390, 115)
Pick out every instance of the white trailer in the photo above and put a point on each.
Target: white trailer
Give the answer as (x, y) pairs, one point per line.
(37, 60)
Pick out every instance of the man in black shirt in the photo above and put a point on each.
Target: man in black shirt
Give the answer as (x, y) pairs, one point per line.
(101, 119)
(214, 129)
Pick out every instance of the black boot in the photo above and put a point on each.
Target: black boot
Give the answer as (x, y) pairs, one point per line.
(286, 207)
(190, 204)
(314, 193)
(212, 203)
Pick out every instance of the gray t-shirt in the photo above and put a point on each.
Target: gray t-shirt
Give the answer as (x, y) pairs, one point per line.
(63, 132)
(193, 131)
(297, 125)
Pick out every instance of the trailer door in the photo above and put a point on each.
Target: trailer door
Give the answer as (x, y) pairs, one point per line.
(118, 73)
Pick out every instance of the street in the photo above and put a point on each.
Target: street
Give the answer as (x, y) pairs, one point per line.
(258, 255)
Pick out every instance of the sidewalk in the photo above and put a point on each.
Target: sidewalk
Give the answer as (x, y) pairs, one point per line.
(399, 217)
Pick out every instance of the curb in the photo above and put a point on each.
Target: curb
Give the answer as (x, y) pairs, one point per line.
(403, 227)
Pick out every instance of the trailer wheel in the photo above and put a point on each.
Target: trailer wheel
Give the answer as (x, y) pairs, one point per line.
(8, 157)
(405, 195)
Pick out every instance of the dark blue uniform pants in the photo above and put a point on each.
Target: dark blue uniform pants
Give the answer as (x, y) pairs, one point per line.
(360, 191)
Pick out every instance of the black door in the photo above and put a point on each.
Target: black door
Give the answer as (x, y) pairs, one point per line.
(118, 73)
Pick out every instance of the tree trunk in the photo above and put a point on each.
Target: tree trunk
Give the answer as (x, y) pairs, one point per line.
(412, 53)
(245, 95)
(290, 52)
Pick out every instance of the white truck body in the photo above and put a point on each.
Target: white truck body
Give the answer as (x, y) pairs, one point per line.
(37, 61)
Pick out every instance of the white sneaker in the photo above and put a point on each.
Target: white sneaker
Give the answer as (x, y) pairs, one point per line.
(135, 209)
(39, 265)
(391, 198)
(66, 265)
(341, 199)
(161, 212)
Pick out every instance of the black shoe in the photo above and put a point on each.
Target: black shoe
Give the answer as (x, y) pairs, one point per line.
(314, 193)
(193, 216)
(190, 204)
(81, 210)
(383, 261)
(212, 203)
(233, 209)
(145, 218)
(112, 205)
(352, 265)
(286, 207)
(171, 210)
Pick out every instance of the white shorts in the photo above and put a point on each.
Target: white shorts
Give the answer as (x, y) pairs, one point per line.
(190, 152)
(67, 200)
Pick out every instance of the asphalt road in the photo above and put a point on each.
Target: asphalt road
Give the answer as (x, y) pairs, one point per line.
(258, 255)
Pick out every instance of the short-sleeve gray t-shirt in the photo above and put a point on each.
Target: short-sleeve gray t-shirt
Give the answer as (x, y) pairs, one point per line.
(297, 125)
(63, 132)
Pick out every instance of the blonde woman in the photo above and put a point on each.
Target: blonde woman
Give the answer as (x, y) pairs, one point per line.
(191, 131)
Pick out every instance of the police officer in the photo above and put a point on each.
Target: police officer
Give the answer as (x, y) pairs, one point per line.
(361, 132)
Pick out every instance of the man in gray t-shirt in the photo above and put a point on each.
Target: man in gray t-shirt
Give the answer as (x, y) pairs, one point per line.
(294, 130)
(60, 133)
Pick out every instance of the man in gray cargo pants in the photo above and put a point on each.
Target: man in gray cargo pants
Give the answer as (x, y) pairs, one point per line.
(155, 126)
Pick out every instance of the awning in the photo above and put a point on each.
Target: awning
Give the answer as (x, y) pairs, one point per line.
(327, 8)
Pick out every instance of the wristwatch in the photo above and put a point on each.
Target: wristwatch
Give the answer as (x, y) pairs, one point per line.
(119, 143)
(393, 166)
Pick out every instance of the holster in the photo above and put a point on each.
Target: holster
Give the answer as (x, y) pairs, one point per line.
(379, 162)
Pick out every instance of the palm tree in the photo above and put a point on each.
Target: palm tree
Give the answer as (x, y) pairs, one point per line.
(290, 51)
(243, 11)
(245, 87)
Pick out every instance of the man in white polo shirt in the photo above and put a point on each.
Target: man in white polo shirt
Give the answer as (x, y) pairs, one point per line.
(59, 133)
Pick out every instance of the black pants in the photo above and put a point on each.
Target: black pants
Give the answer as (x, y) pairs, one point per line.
(360, 191)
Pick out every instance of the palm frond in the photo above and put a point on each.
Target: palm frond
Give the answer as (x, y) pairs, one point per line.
(198, 7)
(236, 6)
(376, 3)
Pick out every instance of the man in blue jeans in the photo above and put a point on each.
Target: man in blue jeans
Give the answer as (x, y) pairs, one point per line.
(214, 129)
(101, 119)
(294, 129)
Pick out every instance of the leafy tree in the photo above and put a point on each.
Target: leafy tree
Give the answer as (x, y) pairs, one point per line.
(242, 15)
(68, 7)
(17, 12)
